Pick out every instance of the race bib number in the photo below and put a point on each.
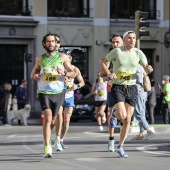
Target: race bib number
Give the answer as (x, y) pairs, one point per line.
(50, 77)
(100, 94)
(124, 76)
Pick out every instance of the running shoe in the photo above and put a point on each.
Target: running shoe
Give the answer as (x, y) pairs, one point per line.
(122, 153)
(57, 145)
(111, 147)
(113, 120)
(104, 118)
(138, 137)
(149, 135)
(101, 128)
(47, 151)
(62, 145)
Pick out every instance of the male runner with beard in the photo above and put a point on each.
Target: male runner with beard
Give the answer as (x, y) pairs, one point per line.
(49, 72)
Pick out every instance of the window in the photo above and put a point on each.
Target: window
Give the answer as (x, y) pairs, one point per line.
(79, 58)
(68, 8)
(127, 8)
(14, 7)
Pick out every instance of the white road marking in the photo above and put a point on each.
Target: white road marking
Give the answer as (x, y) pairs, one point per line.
(143, 149)
(26, 146)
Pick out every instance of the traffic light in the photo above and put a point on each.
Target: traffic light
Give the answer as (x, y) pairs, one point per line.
(141, 23)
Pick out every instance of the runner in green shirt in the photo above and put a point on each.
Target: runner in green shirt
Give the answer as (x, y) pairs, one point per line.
(124, 89)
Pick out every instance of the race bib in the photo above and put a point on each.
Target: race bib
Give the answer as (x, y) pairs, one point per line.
(124, 76)
(100, 94)
(50, 77)
(69, 85)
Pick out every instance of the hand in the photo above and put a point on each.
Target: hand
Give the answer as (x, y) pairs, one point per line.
(60, 70)
(112, 76)
(149, 69)
(74, 87)
(37, 76)
(95, 91)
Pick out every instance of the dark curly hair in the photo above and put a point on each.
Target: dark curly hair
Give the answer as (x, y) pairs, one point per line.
(49, 34)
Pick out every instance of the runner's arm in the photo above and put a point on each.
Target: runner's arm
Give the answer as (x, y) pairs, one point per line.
(79, 78)
(35, 73)
(69, 69)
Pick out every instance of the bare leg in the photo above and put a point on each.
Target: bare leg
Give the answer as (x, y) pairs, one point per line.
(47, 126)
(128, 109)
(67, 115)
(59, 121)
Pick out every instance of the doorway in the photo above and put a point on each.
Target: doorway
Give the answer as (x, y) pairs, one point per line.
(12, 64)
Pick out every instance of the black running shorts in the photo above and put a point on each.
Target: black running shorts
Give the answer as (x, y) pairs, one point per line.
(100, 103)
(51, 101)
(126, 94)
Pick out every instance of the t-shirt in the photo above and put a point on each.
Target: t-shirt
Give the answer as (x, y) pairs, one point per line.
(166, 87)
(125, 64)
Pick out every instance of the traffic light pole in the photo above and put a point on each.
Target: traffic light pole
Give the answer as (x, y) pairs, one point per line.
(140, 24)
(137, 29)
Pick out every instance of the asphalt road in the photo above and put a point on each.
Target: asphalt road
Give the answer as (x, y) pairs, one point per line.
(22, 148)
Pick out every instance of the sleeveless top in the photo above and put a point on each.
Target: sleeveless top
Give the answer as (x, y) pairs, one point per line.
(51, 82)
(101, 92)
(70, 83)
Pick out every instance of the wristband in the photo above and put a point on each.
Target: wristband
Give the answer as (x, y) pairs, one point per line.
(65, 73)
(78, 86)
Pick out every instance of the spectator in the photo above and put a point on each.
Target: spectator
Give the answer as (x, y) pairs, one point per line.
(78, 95)
(6, 102)
(151, 102)
(140, 107)
(14, 103)
(21, 94)
(86, 89)
(166, 99)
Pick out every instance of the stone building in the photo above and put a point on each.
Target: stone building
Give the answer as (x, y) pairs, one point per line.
(85, 26)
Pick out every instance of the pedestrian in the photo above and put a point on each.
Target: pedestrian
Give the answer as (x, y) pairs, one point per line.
(140, 108)
(86, 89)
(68, 104)
(6, 103)
(124, 89)
(151, 102)
(166, 99)
(78, 95)
(117, 41)
(50, 73)
(99, 88)
(14, 103)
(21, 94)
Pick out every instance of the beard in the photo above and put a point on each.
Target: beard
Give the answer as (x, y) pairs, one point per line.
(51, 50)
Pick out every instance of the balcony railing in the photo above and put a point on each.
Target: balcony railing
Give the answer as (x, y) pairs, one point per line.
(15, 12)
(70, 12)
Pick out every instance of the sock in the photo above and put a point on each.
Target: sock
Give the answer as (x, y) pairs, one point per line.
(119, 147)
(113, 112)
(111, 138)
(57, 137)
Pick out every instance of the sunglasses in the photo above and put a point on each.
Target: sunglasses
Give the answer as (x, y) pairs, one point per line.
(58, 41)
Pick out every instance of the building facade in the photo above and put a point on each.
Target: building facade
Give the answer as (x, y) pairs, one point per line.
(85, 26)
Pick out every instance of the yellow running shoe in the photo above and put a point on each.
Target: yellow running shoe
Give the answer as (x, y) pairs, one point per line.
(48, 151)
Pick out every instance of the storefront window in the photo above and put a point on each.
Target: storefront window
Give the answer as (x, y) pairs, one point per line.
(14, 7)
(126, 9)
(79, 58)
(68, 8)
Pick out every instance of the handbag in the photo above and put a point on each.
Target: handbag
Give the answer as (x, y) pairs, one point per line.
(168, 104)
(146, 83)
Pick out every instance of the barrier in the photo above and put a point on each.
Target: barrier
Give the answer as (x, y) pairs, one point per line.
(108, 115)
(42, 119)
